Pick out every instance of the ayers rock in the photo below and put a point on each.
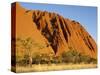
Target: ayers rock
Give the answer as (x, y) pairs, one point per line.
(55, 32)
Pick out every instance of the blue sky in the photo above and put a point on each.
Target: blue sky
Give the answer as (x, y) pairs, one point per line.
(86, 15)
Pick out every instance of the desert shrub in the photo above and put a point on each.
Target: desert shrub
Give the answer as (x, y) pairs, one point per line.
(54, 60)
(87, 59)
(37, 59)
(40, 59)
(26, 59)
(94, 61)
(84, 59)
(71, 56)
(57, 60)
(22, 61)
(45, 59)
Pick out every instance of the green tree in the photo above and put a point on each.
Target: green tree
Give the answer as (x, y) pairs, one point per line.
(27, 45)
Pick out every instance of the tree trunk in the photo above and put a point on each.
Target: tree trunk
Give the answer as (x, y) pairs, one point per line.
(30, 61)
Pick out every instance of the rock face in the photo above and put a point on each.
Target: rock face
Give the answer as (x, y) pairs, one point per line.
(64, 34)
(57, 33)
